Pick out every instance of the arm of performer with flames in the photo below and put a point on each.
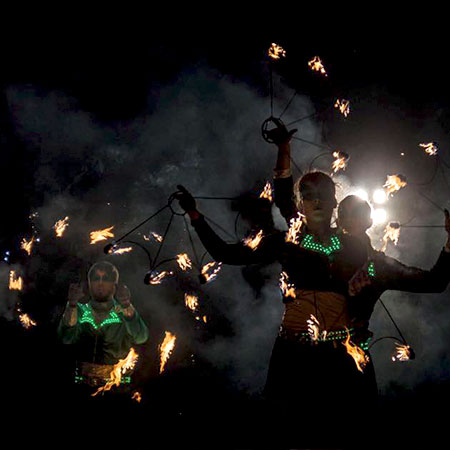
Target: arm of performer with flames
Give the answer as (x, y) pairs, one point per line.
(134, 323)
(67, 328)
(221, 251)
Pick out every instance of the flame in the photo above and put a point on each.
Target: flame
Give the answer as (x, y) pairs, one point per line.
(119, 369)
(287, 289)
(294, 229)
(314, 329)
(191, 301)
(157, 237)
(101, 235)
(209, 271)
(430, 148)
(343, 106)
(158, 277)
(15, 284)
(204, 319)
(276, 52)
(183, 261)
(403, 353)
(394, 183)
(26, 321)
(121, 251)
(267, 192)
(316, 65)
(166, 349)
(137, 396)
(357, 353)
(60, 226)
(391, 233)
(340, 162)
(254, 241)
(27, 245)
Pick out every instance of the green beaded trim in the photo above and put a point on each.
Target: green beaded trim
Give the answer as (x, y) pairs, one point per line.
(371, 269)
(80, 379)
(338, 335)
(309, 243)
(87, 317)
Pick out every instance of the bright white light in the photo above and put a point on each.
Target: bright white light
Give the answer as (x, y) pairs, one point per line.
(379, 216)
(361, 193)
(379, 196)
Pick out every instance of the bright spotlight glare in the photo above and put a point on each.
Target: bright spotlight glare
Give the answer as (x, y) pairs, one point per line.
(361, 193)
(379, 196)
(379, 216)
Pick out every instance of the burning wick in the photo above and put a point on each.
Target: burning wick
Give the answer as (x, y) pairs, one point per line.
(357, 353)
(166, 349)
(253, 242)
(156, 278)
(191, 301)
(183, 261)
(404, 353)
(343, 106)
(341, 159)
(287, 289)
(27, 245)
(316, 65)
(391, 233)
(209, 272)
(15, 284)
(60, 226)
(137, 396)
(101, 235)
(267, 192)
(119, 369)
(430, 148)
(276, 52)
(394, 183)
(26, 321)
(294, 229)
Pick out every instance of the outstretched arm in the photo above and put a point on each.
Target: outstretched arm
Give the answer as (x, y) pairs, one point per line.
(68, 325)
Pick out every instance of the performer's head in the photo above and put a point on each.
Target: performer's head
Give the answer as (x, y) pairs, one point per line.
(256, 211)
(354, 215)
(317, 198)
(103, 278)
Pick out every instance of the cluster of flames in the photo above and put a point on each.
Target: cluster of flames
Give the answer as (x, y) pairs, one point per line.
(191, 302)
(210, 271)
(101, 235)
(394, 183)
(340, 162)
(184, 262)
(391, 233)
(343, 106)
(295, 225)
(287, 289)
(403, 353)
(276, 52)
(27, 245)
(316, 65)
(430, 148)
(26, 321)
(267, 192)
(166, 349)
(357, 353)
(254, 241)
(15, 282)
(60, 226)
(314, 329)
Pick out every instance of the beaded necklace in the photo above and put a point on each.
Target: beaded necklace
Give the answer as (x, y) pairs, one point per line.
(309, 243)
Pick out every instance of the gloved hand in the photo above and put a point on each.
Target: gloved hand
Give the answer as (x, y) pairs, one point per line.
(123, 296)
(187, 202)
(280, 134)
(76, 294)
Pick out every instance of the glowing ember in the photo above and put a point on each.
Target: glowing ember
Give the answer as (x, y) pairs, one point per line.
(27, 245)
(293, 233)
(403, 353)
(183, 261)
(158, 277)
(343, 106)
(121, 251)
(316, 65)
(254, 241)
(267, 192)
(394, 183)
(157, 237)
(391, 233)
(357, 353)
(314, 329)
(60, 226)
(276, 52)
(166, 349)
(15, 284)
(137, 396)
(119, 369)
(430, 148)
(191, 301)
(287, 289)
(204, 319)
(26, 321)
(340, 162)
(101, 235)
(210, 271)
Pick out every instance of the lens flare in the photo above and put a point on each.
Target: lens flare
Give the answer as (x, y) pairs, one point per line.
(379, 216)
(379, 196)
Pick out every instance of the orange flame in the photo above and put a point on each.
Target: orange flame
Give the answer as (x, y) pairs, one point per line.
(314, 329)
(26, 321)
(267, 192)
(209, 271)
(430, 148)
(204, 319)
(121, 251)
(27, 245)
(287, 289)
(253, 242)
(183, 261)
(15, 284)
(157, 278)
(157, 237)
(343, 106)
(276, 52)
(394, 183)
(191, 301)
(357, 353)
(60, 226)
(403, 353)
(294, 229)
(340, 162)
(119, 369)
(101, 235)
(137, 396)
(316, 65)
(166, 349)
(391, 233)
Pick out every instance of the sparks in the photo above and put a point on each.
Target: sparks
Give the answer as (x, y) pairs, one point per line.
(26, 321)
(210, 271)
(158, 277)
(253, 242)
(166, 349)
(183, 261)
(267, 192)
(391, 233)
(60, 226)
(101, 235)
(316, 65)
(430, 148)
(119, 369)
(357, 353)
(191, 301)
(137, 396)
(340, 162)
(293, 233)
(27, 245)
(15, 284)
(404, 353)
(276, 52)
(394, 183)
(287, 289)
(343, 106)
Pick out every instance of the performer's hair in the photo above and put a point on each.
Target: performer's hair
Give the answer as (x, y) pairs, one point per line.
(360, 208)
(315, 176)
(107, 267)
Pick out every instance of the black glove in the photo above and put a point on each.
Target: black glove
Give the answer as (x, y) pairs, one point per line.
(280, 134)
(187, 202)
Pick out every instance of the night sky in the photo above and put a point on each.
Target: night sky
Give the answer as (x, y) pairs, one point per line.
(102, 127)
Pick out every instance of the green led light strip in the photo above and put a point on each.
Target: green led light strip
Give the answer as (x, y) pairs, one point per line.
(309, 243)
(371, 269)
(88, 317)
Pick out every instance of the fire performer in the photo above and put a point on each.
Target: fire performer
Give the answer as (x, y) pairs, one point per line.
(105, 328)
